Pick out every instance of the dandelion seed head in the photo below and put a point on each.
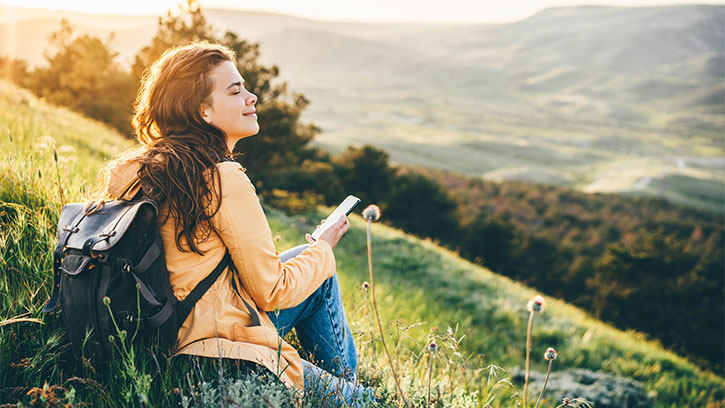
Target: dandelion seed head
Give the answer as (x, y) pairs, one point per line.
(550, 354)
(66, 149)
(67, 159)
(432, 347)
(371, 212)
(277, 238)
(47, 140)
(536, 304)
(365, 285)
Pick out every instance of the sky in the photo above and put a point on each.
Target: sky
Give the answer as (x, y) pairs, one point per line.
(441, 11)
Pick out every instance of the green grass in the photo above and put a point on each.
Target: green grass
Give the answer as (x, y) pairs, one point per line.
(422, 290)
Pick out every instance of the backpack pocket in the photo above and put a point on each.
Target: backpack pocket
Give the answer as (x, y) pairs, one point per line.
(79, 283)
(74, 264)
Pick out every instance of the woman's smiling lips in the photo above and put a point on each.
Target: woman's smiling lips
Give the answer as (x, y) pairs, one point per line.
(251, 113)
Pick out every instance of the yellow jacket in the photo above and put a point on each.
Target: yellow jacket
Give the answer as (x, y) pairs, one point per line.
(220, 324)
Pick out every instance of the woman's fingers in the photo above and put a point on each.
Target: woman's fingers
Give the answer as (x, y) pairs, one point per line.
(309, 239)
(334, 232)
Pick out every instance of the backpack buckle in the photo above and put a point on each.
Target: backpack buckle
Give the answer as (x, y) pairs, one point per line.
(107, 234)
(70, 229)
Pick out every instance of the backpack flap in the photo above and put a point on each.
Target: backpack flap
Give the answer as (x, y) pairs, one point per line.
(103, 228)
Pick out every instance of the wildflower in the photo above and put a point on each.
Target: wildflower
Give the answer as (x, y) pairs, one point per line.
(536, 304)
(550, 354)
(66, 149)
(47, 139)
(432, 347)
(277, 238)
(371, 213)
(106, 300)
(67, 159)
(365, 285)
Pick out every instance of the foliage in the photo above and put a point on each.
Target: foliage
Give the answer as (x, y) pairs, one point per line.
(13, 70)
(189, 25)
(421, 206)
(596, 251)
(365, 172)
(82, 74)
(675, 291)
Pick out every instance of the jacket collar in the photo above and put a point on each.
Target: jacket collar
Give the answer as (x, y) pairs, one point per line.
(123, 181)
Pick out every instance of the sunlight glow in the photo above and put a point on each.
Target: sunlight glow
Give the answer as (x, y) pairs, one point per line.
(354, 10)
(11, 43)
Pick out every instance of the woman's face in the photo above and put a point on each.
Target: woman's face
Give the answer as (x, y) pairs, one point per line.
(232, 106)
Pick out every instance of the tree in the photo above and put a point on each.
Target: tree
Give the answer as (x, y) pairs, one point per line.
(490, 238)
(281, 147)
(421, 206)
(14, 70)
(82, 74)
(366, 173)
(187, 26)
(657, 285)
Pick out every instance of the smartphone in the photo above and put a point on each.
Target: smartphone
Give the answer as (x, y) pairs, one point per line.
(345, 208)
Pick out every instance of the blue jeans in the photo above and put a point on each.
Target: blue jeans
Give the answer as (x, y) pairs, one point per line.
(324, 332)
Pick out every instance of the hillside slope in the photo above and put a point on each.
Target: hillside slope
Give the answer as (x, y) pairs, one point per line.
(417, 281)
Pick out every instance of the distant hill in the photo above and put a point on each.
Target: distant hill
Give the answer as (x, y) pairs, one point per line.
(605, 99)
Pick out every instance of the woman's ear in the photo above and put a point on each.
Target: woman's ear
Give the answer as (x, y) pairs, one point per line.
(206, 111)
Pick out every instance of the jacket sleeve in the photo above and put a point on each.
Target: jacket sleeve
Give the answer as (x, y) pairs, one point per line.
(243, 227)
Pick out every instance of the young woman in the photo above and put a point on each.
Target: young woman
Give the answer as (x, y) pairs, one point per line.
(191, 109)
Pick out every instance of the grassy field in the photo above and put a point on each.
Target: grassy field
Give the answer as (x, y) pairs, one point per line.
(422, 290)
(530, 140)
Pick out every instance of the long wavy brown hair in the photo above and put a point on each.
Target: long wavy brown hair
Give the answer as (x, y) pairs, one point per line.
(179, 149)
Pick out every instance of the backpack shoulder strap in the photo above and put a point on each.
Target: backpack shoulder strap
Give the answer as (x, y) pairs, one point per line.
(184, 307)
(252, 312)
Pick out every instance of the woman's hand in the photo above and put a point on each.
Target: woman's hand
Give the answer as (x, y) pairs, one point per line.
(333, 233)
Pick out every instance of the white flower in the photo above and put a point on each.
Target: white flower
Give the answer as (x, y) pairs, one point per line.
(66, 149)
(536, 304)
(371, 212)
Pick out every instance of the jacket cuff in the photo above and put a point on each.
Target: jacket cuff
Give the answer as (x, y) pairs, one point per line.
(327, 250)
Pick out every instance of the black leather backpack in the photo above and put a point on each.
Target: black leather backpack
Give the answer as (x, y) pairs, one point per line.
(110, 276)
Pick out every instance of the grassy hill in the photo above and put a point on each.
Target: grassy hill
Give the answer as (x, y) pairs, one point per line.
(605, 99)
(420, 287)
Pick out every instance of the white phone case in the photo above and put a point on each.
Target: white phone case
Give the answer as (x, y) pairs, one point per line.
(344, 208)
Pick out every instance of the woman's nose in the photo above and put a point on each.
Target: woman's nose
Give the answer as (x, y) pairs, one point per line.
(251, 98)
